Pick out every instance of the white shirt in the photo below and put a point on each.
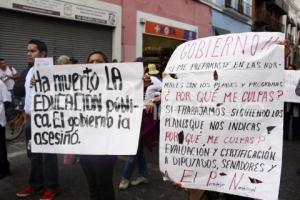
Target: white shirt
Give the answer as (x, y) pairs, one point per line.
(8, 72)
(153, 89)
(4, 97)
(28, 91)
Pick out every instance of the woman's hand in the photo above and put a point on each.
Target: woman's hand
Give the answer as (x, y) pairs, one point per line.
(287, 47)
(149, 107)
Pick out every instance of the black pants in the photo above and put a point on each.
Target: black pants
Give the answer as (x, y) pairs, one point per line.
(99, 173)
(44, 167)
(4, 164)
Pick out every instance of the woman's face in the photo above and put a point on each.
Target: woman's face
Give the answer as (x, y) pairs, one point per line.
(96, 58)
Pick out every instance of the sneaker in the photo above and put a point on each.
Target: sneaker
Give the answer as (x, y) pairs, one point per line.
(139, 180)
(26, 192)
(48, 195)
(124, 184)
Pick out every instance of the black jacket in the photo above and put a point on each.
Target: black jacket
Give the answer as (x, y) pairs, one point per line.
(19, 87)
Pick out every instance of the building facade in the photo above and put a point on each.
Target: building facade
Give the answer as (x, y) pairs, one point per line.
(122, 29)
(230, 16)
(279, 16)
(72, 27)
(268, 15)
(154, 28)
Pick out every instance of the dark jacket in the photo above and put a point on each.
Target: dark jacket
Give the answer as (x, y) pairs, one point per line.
(19, 87)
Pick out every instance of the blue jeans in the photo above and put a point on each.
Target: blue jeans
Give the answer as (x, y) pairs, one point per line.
(141, 161)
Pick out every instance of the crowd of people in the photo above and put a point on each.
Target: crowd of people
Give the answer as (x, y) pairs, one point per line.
(98, 169)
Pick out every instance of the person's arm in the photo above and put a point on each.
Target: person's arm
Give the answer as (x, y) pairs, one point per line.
(297, 90)
(15, 77)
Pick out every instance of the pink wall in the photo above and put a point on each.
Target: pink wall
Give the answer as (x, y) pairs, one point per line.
(187, 11)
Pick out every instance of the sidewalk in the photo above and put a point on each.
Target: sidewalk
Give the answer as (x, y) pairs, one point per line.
(73, 183)
(74, 186)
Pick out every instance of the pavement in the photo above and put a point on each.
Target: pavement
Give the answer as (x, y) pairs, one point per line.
(73, 183)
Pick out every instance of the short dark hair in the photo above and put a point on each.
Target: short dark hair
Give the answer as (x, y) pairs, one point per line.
(141, 59)
(41, 46)
(2, 59)
(97, 52)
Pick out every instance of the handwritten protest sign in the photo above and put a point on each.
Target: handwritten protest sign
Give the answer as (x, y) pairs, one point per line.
(87, 109)
(222, 115)
(246, 51)
(292, 78)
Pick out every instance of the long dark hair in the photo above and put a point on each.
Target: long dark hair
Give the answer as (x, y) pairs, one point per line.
(97, 52)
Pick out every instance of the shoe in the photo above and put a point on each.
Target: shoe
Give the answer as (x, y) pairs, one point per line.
(26, 192)
(124, 184)
(48, 195)
(139, 180)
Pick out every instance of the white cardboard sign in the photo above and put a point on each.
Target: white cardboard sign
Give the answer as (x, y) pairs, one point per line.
(87, 109)
(222, 116)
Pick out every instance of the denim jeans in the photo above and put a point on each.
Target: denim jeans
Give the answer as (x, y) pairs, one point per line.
(139, 158)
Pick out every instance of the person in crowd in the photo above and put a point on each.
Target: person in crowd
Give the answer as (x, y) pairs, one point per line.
(44, 167)
(115, 60)
(73, 60)
(98, 169)
(154, 89)
(148, 133)
(8, 74)
(145, 64)
(63, 60)
(5, 99)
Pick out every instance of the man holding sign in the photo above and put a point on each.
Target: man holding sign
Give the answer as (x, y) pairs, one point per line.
(44, 169)
(93, 110)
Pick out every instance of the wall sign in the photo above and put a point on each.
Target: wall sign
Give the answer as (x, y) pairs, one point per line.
(169, 31)
(65, 9)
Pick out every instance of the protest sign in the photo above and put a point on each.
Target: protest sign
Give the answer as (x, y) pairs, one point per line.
(87, 109)
(292, 78)
(43, 62)
(246, 51)
(222, 115)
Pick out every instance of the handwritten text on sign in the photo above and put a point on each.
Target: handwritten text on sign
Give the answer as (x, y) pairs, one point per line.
(87, 109)
(222, 130)
(246, 51)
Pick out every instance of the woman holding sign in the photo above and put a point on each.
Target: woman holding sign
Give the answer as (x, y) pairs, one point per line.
(98, 169)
